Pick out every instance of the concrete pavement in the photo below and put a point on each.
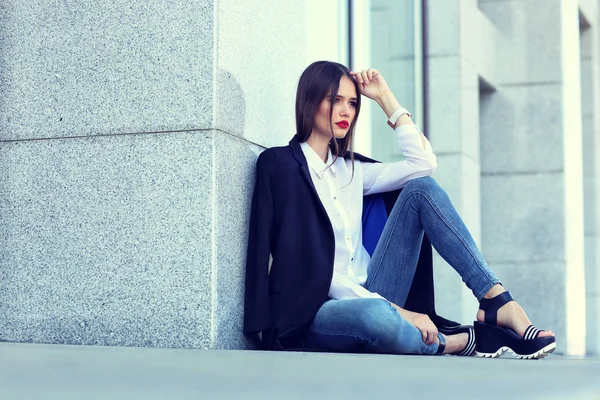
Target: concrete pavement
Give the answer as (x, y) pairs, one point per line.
(31, 371)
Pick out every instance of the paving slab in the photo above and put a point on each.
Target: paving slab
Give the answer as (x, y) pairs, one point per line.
(52, 372)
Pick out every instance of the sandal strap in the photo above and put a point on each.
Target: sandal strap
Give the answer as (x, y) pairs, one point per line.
(442, 345)
(531, 332)
(491, 306)
(470, 347)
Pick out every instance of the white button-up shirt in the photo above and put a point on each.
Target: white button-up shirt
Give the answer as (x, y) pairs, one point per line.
(343, 201)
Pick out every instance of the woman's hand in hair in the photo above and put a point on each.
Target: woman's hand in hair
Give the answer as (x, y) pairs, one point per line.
(371, 83)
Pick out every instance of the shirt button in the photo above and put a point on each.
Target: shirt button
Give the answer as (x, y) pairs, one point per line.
(348, 238)
(352, 259)
(335, 198)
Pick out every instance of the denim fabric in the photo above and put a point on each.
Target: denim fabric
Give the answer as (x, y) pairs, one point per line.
(372, 325)
(423, 206)
(364, 325)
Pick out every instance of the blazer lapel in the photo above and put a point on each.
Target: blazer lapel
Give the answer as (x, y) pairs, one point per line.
(299, 156)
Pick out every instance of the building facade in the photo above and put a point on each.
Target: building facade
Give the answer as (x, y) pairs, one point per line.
(129, 133)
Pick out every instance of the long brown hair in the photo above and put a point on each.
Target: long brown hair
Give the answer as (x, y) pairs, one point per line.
(316, 82)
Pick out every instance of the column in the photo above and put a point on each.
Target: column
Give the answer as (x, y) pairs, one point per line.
(128, 137)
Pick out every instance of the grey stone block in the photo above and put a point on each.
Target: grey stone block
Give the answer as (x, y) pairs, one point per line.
(447, 282)
(591, 143)
(120, 240)
(448, 290)
(454, 300)
(459, 175)
(591, 204)
(444, 27)
(531, 51)
(480, 41)
(453, 106)
(234, 173)
(444, 104)
(522, 218)
(261, 88)
(91, 68)
(590, 10)
(586, 43)
(592, 291)
(592, 305)
(596, 282)
(470, 305)
(521, 130)
(471, 198)
(541, 290)
(592, 265)
(587, 88)
(449, 174)
(469, 111)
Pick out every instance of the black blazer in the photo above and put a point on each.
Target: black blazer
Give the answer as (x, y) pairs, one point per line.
(289, 223)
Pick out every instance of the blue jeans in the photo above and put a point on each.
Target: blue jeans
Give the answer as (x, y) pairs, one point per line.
(373, 325)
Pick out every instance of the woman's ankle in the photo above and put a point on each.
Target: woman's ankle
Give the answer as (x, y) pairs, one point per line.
(456, 343)
(494, 291)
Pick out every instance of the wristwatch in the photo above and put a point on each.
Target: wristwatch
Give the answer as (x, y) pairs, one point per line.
(396, 115)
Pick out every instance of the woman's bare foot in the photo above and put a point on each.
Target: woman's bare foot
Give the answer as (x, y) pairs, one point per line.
(511, 315)
(456, 343)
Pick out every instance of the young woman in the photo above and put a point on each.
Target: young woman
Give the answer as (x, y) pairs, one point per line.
(335, 283)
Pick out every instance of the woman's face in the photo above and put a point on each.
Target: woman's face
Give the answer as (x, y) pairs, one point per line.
(344, 111)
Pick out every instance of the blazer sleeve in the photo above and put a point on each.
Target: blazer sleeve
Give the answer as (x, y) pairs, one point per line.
(257, 316)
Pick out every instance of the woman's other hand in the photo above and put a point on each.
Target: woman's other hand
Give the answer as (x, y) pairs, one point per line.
(421, 321)
(371, 83)
(427, 328)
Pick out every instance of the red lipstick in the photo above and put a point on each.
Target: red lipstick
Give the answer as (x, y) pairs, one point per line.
(343, 124)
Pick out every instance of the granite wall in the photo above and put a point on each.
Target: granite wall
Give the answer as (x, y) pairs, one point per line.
(128, 136)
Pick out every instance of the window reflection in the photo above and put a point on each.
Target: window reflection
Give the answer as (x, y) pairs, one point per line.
(397, 51)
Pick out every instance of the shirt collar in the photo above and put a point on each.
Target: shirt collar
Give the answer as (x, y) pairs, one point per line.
(315, 162)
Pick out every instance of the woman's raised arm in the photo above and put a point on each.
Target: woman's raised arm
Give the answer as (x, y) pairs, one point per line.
(372, 85)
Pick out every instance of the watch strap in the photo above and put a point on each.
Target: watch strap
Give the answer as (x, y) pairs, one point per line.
(396, 115)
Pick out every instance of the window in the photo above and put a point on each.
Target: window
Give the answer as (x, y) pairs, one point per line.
(396, 43)
(383, 34)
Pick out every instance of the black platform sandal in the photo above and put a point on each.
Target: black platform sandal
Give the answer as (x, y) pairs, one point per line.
(493, 340)
(469, 348)
(455, 330)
